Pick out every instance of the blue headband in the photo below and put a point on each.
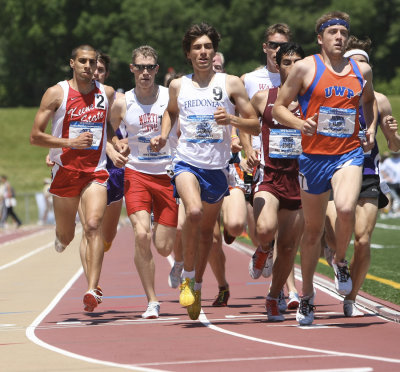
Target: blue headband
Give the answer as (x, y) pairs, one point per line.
(333, 22)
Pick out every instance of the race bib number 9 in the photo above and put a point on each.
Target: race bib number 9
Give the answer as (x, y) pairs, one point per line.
(284, 143)
(78, 127)
(203, 129)
(336, 122)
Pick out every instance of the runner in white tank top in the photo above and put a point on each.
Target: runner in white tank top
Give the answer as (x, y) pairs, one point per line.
(201, 166)
(147, 186)
(203, 143)
(143, 122)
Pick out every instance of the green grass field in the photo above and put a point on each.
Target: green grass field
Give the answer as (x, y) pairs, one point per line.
(25, 167)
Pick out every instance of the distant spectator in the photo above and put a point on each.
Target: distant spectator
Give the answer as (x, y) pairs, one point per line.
(169, 76)
(48, 200)
(390, 172)
(10, 202)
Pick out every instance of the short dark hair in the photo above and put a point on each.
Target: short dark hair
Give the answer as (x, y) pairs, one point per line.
(197, 30)
(355, 43)
(104, 59)
(86, 47)
(288, 49)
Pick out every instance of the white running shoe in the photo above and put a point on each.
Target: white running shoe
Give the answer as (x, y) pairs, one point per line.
(58, 246)
(343, 281)
(257, 263)
(282, 302)
(329, 253)
(174, 278)
(305, 311)
(294, 301)
(272, 309)
(350, 310)
(153, 310)
(269, 263)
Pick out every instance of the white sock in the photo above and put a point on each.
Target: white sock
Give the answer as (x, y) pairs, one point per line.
(188, 274)
(197, 286)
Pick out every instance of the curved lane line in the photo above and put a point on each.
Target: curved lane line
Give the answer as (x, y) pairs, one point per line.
(30, 333)
(203, 319)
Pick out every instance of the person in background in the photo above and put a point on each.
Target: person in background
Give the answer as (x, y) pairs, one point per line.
(9, 202)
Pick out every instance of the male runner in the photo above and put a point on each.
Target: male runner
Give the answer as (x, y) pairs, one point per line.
(329, 89)
(79, 110)
(371, 197)
(276, 201)
(203, 102)
(147, 185)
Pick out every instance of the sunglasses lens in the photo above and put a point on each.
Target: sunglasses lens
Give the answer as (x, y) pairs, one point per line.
(147, 67)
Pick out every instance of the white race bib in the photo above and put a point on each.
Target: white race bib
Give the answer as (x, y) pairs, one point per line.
(336, 122)
(145, 151)
(78, 127)
(284, 143)
(203, 129)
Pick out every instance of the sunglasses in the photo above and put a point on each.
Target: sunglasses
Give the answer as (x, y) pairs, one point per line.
(143, 67)
(274, 45)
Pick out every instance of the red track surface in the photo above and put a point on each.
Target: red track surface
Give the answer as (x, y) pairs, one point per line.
(240, 337)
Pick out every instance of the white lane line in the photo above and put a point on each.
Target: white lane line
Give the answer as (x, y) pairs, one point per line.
(355, 369)
(32, 253)
(25, 237)
(25, 256)
(385, 226)
(203, 319)
(221, 360)
(30, 333)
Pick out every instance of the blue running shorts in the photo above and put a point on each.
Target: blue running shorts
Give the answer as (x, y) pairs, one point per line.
(316, 171)
(213, 182)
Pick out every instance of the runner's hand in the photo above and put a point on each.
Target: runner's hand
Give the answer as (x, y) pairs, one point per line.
(390, 123)
(369, 142)
(122, 148)
(116, 157)
(49, 163)
(253, 158)
(83, 141)
(310, 125)
(221, 117)
(157, 143)
(235, 145)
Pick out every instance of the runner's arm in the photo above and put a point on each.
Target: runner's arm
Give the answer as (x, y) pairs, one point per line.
(51, 101)
(170, 116)
(247, 121)
(388, 123)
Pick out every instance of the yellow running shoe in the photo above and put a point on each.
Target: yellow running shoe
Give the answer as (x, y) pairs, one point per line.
(194, 309)
(186, 296)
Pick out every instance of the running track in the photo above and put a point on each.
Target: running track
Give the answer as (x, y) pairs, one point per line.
(234, 338)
